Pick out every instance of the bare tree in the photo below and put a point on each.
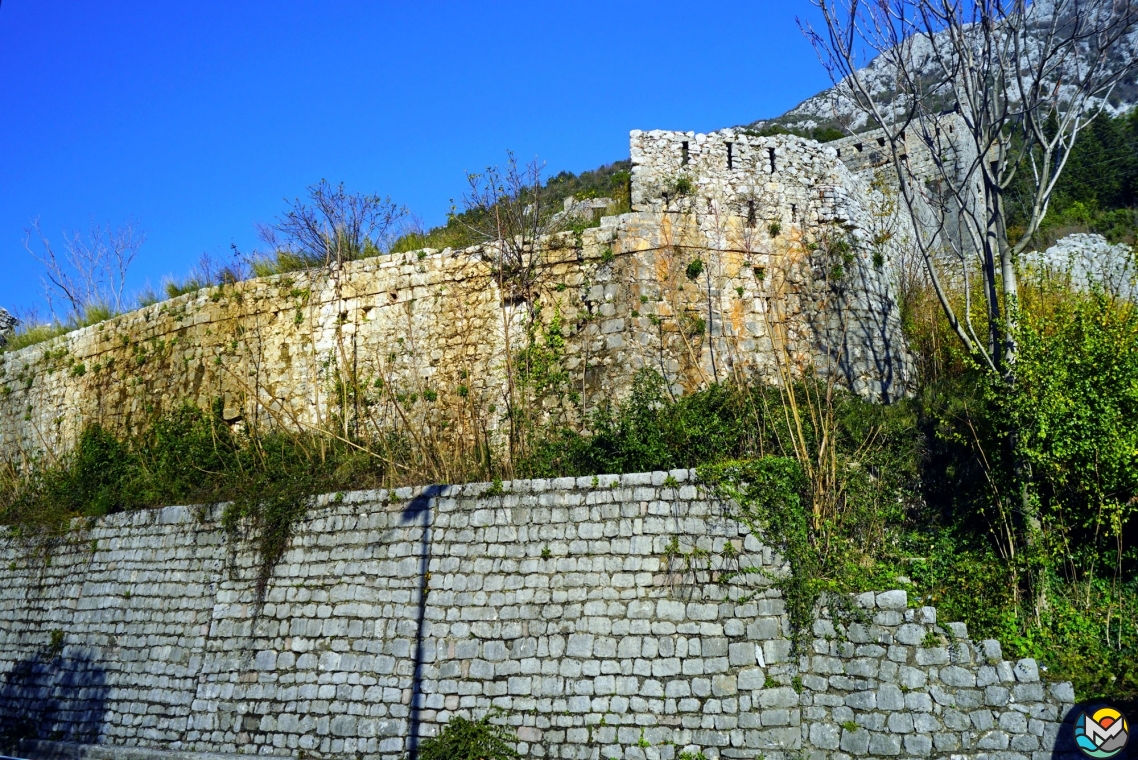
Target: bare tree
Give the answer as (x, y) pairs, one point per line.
(90, 272)
(508, 209)
(334, 226)
(987, 93)
(990, 90)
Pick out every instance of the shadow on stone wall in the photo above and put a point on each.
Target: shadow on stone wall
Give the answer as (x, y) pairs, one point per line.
(1064, 748)
(61, 698)
(418, 512)
(866, 346)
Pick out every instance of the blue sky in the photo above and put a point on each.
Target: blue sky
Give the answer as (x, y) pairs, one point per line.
(198, 119)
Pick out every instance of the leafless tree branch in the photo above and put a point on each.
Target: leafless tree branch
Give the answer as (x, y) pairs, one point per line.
(333, 226)
(989, 88)
(91, 271)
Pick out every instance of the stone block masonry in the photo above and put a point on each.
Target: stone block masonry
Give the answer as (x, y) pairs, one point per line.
(573, 605)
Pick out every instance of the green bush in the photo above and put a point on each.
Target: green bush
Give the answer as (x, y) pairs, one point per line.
(463, 739)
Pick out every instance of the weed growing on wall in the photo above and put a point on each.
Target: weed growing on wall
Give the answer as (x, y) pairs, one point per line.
(189, 456)
(463, 739)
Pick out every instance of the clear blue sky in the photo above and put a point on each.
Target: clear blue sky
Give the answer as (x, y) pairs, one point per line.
(199, 118)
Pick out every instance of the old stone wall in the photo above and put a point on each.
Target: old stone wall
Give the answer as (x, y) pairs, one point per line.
(423, 341)
(579, 607)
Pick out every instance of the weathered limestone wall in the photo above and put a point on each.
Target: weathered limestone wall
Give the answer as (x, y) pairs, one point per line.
(748, 194)
(422, 339)
(560, 602)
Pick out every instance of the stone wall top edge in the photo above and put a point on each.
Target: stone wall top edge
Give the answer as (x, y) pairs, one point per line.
(361, 267)
(211, 513)
(153, 313)
(737, 133)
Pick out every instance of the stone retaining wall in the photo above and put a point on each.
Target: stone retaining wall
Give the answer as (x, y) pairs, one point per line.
(577, 606)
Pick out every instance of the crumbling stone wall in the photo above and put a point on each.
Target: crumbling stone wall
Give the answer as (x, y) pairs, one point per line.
(424, 339)
(566, 603)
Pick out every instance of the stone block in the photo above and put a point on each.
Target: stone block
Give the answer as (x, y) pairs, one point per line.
(957, 630)
(994, 740)
(1026, 671)
(918, 745)
(910, 634)
(1063, 692)
(743, 654)
(889, 697)
(825, 735)
(862, 700)
(855, 742)
(957, 676)
(751, 679)
(779, 697)
(893, 600)
(884, 744)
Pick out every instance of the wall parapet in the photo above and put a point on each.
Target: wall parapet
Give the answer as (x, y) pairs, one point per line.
(560, 601)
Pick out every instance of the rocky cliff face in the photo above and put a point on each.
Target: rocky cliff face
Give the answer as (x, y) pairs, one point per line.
(834, 108)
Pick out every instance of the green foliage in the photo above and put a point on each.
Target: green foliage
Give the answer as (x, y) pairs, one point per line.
(682, 185)
(648, 432)
(608, 181)
(694, 269)
(55, 646)
(771, 494)
(32, 334)
(1098, 189)
(191, 284)
(821, 134)
(463, 739)
(188, 456)
(1069, 597)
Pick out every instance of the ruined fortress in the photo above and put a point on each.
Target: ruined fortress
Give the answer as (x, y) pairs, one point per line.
(571, 604)
(744, 257)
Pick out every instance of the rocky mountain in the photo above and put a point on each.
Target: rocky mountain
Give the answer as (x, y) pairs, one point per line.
(831, 109)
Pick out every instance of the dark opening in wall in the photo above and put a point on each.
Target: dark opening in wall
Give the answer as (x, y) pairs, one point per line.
(730, 155)
(859, 147)
(750, 213)
(881, 141)
(770, 152)
(794, 212)
(684, 154)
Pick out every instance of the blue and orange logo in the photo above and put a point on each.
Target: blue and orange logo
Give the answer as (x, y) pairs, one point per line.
(1101, 732)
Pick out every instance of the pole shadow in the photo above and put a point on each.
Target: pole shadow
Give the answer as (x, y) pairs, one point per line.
(418, 511)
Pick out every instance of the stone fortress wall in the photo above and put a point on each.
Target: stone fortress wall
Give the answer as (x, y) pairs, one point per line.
(565, 603)
(425, 336)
